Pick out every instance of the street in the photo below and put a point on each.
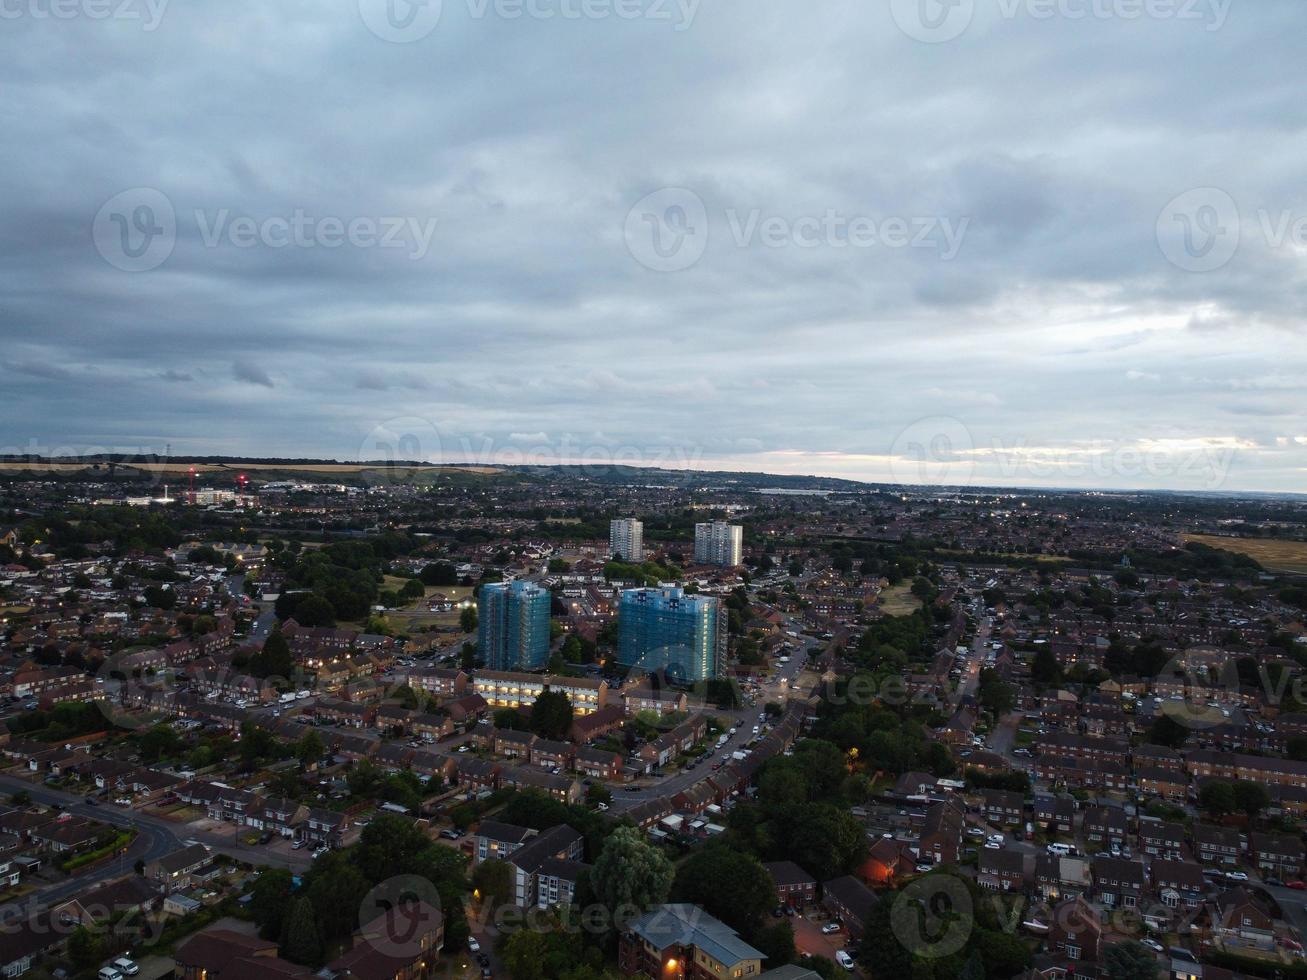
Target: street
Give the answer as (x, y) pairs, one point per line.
(155, 838)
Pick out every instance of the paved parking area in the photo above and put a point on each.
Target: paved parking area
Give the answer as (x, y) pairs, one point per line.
(808, 937)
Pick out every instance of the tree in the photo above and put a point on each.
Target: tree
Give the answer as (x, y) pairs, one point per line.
(302, 942)
(274, 660)
(524, 955)
(467, 619)
(1165, 730)
(85, 948)
(510, 719)
(827, 841)
(269, 901)
(631, 873)
(309, 748)
(551, 715)
(316, 610)
(994, 694)
(729, 884)
(1044, 668)
(439, 573)
(1130, 961)
(1250, 798)
(158, 742)
(493, 882)
(337, 889)
(1217, 798)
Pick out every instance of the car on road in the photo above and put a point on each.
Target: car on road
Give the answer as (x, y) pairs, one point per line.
(1296, 885)
(844, 959)
(830, 928)
(1154, 945)
(1236, 876)
(125, 966)
(92, 801)
(1274, 882)
(473, 945)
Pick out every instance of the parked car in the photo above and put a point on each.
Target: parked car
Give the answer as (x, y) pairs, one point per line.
(298, 844)
(1236, 876)
(473, 945)
(125, 966)
(1154, 945)
(109, 973)
(844, 959)
(830, 928)
(1296, 885)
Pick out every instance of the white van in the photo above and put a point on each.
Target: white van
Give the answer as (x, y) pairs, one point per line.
(1059, 850)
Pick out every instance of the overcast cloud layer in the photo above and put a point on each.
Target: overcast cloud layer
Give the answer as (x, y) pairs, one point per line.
(1027, 242)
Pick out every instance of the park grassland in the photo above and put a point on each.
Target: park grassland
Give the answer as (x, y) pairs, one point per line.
(1272, 554)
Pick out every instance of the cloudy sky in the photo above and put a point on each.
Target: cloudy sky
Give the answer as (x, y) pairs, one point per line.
(1026, 242)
